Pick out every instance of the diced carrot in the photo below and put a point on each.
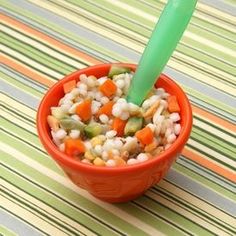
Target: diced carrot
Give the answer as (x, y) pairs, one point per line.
(106, 109)
(68, 86)
(119, 125)
(74, 147)
(108, 88)
(145, 135)
(83, 110)
(119, 161)
(173, 105)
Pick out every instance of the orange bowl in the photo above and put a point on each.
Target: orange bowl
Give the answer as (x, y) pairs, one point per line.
(116, 184)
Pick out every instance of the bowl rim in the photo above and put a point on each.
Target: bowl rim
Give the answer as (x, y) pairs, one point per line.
(63, 159)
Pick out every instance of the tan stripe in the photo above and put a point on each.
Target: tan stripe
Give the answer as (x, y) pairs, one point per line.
(208, 11)
(85, 23)
(177, 65)
(30, 113)
(213, 130)
(26, 70)
(213, 11)
(205, 66)
(17, 121)
(66, 183)
(228, 173)
(29, 217)
(210, 43)
(48, 40)
(211, 152)
(187, 214)
(103, 21)
(47, 209)
(41, 47)
(196, 202)
(30, 62)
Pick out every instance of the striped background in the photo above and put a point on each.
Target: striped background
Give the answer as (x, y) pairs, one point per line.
(41, 41)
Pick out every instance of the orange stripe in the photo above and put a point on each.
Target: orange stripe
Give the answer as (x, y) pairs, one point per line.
(209, 165)
(28, 72)
(60, 46)
(214, 118)
(25, 70)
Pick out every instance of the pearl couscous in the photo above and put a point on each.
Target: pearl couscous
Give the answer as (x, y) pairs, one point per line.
(94, 124)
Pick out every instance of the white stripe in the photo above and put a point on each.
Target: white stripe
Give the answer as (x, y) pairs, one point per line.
(213, 130)
(196, 203)
(186, 214)
(103, 21)
(211, 152)
(211, 161)
(17, 121)
(90, 25)
(200, 76)
(207, 67)
(49, 210)
(41, 47)
(29, 217)
(210, 43)
(30, 62)
(30, 113)
(187, 33)
(68, 184)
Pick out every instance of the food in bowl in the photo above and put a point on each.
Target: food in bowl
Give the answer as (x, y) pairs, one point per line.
(94, 124)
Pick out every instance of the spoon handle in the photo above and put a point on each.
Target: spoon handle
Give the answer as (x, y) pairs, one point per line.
(164, 39)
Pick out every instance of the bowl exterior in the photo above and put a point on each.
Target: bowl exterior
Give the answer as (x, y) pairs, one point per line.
(114, 184)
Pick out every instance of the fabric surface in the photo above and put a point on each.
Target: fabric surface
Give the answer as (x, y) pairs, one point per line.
(43, 40)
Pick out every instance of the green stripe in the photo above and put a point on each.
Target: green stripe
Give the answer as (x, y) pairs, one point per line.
(76, 38)
(206, 173)
(204, 215)
(203, 181)
(157, 208)
(39, 212)
(6, 232)
(68, 196)
(36, 55)
(195, 211)
(208, 154)
(216, 144)
(111, 17)
(24, 88)
(208, 100)
(26, 148)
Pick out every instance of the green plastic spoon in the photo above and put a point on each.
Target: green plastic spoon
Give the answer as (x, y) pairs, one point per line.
(164, 39)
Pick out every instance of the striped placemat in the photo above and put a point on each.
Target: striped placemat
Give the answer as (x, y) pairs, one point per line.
(41, 41)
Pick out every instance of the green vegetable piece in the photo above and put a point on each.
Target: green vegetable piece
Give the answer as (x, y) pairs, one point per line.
(116, 70)
(133, 125)
(92, 130)
(58, 113)
(69, 124)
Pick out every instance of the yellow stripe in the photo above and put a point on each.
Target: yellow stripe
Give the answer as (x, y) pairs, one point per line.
(187, 214)
(205, 66)
(213, 130)
(29, 217)
(30, 62)
(213, 162)
(47, 209)
(196, 202)
(175, 64)
(213, 11)
(212, 152)
(19, 122)
(66, 183)
(30, 113)
(85, 23)
(41, 47)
